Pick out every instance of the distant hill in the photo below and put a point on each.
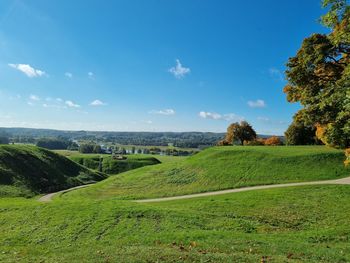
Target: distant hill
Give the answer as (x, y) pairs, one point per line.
(179, 139)
(29, 170)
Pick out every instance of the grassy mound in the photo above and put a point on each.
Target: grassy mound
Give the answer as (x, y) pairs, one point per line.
(302, 224)
(108, 165)
(222, 168)
(29, 170)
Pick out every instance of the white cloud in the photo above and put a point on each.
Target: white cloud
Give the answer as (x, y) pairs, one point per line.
(217, 116)
(30, 103)
(34, 97)
(179, 71)
(276, 73)
(91, 75)
(210, 115)
(163, 112)
(28, 70)
(68, 75)
(59, 99)
(256, 104)
(97, 103)
(71, 104)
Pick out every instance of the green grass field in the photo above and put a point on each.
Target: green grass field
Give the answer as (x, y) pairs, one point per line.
(28, 170)
(223, 168)
(296, 224)
(304, 224)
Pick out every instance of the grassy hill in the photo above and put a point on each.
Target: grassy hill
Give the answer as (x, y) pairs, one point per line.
(295, 224)
(303, 224)
(109, 165)
(220, 168)
(29, 170)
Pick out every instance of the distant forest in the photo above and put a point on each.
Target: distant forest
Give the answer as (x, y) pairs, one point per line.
(178, 139)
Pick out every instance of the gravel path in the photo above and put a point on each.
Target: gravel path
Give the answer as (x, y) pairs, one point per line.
(48, 197)
(243, 189)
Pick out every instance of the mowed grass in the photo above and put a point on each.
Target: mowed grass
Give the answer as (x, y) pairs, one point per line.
(300, 224)
(221, 168)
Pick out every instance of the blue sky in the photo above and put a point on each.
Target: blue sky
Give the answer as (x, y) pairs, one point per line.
(156, 65)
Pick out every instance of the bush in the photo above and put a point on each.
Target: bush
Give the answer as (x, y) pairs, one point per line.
(223, 143)
(257, 142)
(273, 141)
(53, 144)
(347, 154)
(299, 134)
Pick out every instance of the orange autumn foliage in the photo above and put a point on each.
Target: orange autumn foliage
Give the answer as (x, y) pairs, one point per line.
(273, 141)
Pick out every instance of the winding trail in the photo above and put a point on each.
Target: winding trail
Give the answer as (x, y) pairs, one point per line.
(244, 189)
(346, 180)
(48, 197)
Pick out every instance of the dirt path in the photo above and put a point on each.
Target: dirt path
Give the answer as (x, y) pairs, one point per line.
(243, 189)
(48, 197)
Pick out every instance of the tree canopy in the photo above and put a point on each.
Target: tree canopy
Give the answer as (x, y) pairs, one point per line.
(241, 132)
(299, 134)
(319, 77)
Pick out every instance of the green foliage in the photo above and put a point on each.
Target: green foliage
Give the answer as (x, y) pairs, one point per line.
(55, 143)
(319, 77)
(29, 170)
(87, 148)
(221, 168)
(241, 132)
(299, 134)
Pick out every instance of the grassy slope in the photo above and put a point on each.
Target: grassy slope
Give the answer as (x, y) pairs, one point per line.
(304, 224)
(222, 168)
(112, 166)
(29, 170)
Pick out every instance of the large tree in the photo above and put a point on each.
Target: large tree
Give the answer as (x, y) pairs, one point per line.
(241, 132)
(299, 134)
(319, 77)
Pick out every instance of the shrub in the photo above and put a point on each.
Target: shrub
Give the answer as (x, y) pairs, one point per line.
(347, 154)
(273, 141)
(257, 142)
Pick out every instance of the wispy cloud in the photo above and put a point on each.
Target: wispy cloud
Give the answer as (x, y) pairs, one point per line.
(71, 104)
(34, 97)
(28, 70)
(256, 104)
(179, 71)
(68, 75)
(97, 103)
(91, 75)
(163, 112)
(276, 74)
(217, 116)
